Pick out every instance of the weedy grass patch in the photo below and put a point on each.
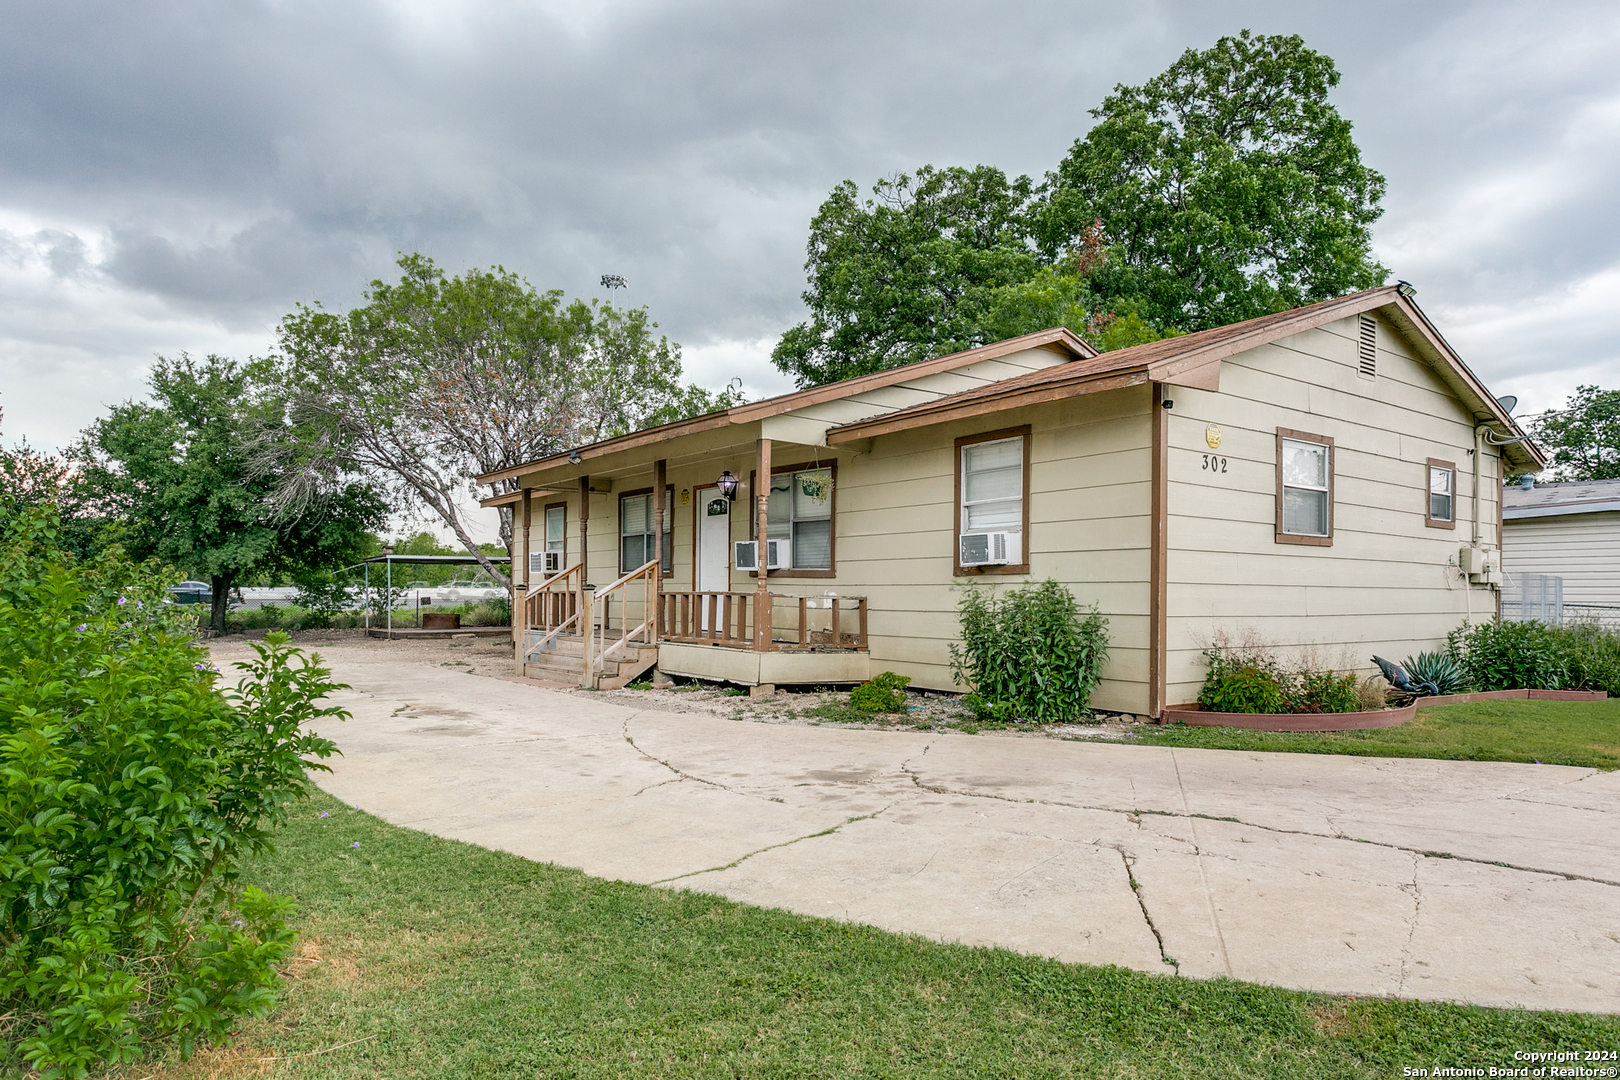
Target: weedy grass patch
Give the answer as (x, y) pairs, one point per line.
(1580, 733)
(424, 957)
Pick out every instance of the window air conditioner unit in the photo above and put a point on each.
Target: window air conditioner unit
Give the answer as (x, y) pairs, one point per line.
(745, 554)
(545, 562)
(989, 549)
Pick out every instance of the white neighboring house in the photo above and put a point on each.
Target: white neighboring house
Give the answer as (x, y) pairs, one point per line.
(1570, 531)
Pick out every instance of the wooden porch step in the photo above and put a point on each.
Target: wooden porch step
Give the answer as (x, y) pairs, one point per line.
(562, 666)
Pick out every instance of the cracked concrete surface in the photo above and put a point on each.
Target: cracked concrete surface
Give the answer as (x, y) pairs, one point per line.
(1492, 883)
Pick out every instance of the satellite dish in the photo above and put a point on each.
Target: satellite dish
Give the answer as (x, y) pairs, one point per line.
(1508, 403)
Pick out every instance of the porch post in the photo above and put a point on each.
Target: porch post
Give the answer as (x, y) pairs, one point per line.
(587, 616)
(659, 510)
(584, 516)
(762, 598)
(520, 585)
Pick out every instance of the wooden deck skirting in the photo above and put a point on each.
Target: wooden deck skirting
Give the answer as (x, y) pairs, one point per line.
(1195, 716)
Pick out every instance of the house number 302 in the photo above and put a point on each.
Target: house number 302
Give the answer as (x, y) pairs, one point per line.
(1214, 463)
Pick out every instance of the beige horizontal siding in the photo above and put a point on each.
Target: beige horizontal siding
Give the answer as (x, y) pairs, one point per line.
(1387, 584)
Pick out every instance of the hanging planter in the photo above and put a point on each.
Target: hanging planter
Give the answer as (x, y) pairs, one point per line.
(817, 486)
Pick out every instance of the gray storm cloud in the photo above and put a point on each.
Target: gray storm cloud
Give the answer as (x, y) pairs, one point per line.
(177, 176)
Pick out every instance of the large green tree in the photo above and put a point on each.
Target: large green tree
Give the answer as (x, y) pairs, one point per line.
(1226, 187)
(437, 379)
(907, 274)
(193, 472)
(1583, 437)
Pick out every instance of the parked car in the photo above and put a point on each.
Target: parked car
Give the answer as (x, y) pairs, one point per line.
(192, 592)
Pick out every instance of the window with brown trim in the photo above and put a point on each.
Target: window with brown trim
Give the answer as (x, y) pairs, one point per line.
(636, 531)
(1440, 504)
(1304, 488)
(802, 510)
(556, 529)
(992, 497)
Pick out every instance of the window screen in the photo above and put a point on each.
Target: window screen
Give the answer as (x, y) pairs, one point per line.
(993, 486)
(1305, 493)
(636, 531)
(556, 524)
(1441, 493)
(800, 511)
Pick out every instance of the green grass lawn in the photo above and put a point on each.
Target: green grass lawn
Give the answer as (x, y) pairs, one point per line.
(1585, 733)
(425, 957)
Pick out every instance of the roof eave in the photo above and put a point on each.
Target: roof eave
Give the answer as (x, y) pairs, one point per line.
(1061, 337)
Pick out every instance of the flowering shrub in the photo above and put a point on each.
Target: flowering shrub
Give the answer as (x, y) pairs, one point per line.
(131, 784)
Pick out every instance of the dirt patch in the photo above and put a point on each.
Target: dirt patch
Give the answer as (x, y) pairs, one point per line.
(807, 707)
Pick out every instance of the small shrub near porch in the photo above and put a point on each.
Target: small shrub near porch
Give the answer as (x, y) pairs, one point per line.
(1031, 655)
(886, 693)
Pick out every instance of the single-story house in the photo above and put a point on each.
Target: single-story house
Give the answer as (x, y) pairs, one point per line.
(1570, 531)
(1326, 477)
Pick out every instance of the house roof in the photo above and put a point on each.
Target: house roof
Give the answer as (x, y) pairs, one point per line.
(1060, 338)
(1193, 360)
(1557, 500)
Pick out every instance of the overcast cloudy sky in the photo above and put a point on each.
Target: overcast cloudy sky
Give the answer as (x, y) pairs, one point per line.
(176, 176)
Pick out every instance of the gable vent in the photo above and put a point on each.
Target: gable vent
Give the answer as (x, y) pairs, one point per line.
(1367, 348)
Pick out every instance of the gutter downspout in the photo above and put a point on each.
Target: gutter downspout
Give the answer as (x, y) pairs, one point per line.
(1479, 452)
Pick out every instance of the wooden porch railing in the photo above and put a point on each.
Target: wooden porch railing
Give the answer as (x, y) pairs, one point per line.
(727, 618)
(553, 607)
(837, 622)
(637, 621)
(707, 617)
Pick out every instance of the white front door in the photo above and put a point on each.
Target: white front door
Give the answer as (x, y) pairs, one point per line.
(713, 544)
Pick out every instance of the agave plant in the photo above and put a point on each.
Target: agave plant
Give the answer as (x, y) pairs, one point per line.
(1438, 668)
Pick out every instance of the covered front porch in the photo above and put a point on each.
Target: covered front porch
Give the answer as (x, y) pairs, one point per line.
(607, 637)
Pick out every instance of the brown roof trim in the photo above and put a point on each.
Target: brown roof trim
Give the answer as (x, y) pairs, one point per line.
(1430, 335)
(515, 496)
(1156, 361)
(1172, 360)
(954, 408)
(1060, 337)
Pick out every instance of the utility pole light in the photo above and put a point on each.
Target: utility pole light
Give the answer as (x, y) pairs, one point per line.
(612, 281)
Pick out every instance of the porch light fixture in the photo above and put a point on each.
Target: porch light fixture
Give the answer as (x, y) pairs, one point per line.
(728, 485)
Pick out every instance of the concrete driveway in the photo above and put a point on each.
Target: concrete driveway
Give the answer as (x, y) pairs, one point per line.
(1489, 883)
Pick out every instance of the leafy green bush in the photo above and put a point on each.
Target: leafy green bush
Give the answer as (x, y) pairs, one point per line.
(991, 712)
(1251, 680)
(885, 693)
(1241, 683)
(1031, 653)
(1510, 656)
(1439, 668)
(1591, 657)
(131, 783)
(1324, 692)
(1535, 656)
